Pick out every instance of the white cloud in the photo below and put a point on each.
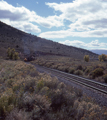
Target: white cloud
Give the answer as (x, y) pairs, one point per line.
(24, 26)
(28, 27)
(49, 22)
(55, 34)
(88, 18)
(19, 17)
(70, 33)
(76, 43)
(91, 45)
(22, 16)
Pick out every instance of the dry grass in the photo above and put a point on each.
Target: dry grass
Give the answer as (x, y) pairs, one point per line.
(26, 94)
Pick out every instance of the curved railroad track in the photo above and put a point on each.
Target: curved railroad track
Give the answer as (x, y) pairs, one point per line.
(77, 79)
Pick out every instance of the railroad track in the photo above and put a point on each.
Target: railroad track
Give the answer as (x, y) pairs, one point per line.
(77, 79)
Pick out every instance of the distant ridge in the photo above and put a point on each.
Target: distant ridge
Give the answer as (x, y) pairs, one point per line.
(28, 44)
(99, 51)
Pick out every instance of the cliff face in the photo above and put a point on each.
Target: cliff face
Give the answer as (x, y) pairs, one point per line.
(28, 44)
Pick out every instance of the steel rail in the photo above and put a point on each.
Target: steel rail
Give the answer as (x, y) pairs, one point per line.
(92, 81)
(90, 86)
(69, 78)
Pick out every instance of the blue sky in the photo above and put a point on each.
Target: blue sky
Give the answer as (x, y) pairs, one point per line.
(79, 23)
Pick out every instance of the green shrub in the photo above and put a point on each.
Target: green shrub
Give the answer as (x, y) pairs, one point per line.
(97, 72)
(61, 85)
(79, 67)
(7, 103)
(44, 90)
(87, 71)
(78, 72)
(105, 78)
(63, 68)
(52, 84)
(86, 58)
(102, 57)
(15, 56)
(40, 85)
(12, 54)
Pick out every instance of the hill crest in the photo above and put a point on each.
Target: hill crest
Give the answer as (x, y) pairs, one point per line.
(28, 44)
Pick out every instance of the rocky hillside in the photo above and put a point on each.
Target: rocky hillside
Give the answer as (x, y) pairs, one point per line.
(28, 44)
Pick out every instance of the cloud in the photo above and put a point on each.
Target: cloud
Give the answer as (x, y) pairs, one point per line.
(70, 33)
(55, 34)
(27, 18)
(49, 22)
(24, 26)
(19, 17)
(87, 18)
(29, 27)
(80, 18)
(92, 44)
(76, 43)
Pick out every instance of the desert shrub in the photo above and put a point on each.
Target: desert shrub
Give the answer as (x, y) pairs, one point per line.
(51, 100)
(71, 70)
(105, 78)
(26, 102)
(33, 73)
(44, 90)
(42, 102)
(61, 85)
(78, 72)
(42, 107)
(52, 83)
(29, 85)
(88, 70)
(102, 57)
(97, 72)
(12, 54)
(16, 114)
(7, 103)
(15, 87)
(49, 64)
(63, 68)
(15, 56)
(40, 85)
(59, 67)
(54, 66)
(79, 67)
(57, 99)
(86, 58)
(9, 82)
(86, 110)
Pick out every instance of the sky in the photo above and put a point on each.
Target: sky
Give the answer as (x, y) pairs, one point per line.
(80, 23)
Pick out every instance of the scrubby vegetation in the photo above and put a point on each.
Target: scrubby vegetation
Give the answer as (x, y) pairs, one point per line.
(97, 72)
(12, 54)
(93, 69)
(105, 78)
(86, 58)
(26, 94)
(102, 57)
